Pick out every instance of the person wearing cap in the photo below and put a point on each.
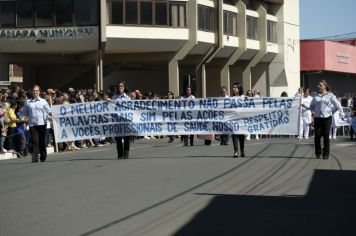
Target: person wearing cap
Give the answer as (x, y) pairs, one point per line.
(37, 112)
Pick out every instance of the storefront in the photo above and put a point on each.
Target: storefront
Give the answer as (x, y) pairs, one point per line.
(333, 61)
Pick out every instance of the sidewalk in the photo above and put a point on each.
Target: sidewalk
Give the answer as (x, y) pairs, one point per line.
(9, 155)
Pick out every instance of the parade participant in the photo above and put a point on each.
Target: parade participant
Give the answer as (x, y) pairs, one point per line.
(170, 95)
(123, 149)
(306, 118)
(188, 95)
(237, 91)
(37, 112)
(224, 138)
(324, 104)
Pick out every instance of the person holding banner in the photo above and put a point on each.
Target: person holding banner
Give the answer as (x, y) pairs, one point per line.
(324, 105)
(37, 111)
(188, 95)
(123, 149)
(237, 91)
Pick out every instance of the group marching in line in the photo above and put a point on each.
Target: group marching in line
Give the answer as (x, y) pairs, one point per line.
(26, 118)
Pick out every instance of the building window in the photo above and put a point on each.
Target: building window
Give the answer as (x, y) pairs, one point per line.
(271, 32)
(7, 14)
(131, 12)
(251, 27)
(161, 11)
(24, 14)
(230, 23)
(63, 12)
(85, 12)
(177, 14)
(117, 14)
(146, 13)
(206, 18)
(43, 10)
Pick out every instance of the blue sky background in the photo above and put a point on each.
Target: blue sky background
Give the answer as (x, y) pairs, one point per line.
(321, 18)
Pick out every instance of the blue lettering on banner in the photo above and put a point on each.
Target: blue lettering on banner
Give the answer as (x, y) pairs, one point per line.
(277, 103)
(64, 134)
(208, 103)
(228, 126)
(90, 108)
(236, 102)
(63, 110)
(86, 131)
(172, 127)
(196, 126)
(148, 116)
(210, 115)
(177, 116)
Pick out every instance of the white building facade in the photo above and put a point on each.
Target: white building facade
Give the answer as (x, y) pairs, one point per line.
(154, 45)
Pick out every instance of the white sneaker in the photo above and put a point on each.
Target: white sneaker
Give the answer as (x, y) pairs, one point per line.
(334, 137)
(306, 137)
(248, 137)
(257, 138)
(146, 137)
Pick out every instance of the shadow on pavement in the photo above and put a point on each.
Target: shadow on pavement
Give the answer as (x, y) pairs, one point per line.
(328, 208)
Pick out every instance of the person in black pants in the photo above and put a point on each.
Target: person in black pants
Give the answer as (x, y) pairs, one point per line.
(37, 112)
(324, 105)
(188, 95)
(122, 143)
(237, 91)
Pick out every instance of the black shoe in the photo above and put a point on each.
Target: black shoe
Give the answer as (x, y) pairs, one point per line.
(317, 156)
(236, 155)
(34, 161)
(43, 160)
(126, 156)
(325, 156)
(119, 157)
(242, 154)
(170, 141)
(185, 144)
(192, 144)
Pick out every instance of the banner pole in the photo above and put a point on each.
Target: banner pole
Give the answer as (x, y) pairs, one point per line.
(54, 128)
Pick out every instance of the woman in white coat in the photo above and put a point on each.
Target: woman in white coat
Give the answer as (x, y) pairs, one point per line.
(306, 119)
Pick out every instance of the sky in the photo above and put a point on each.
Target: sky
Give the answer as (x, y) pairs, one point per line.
(322, 18)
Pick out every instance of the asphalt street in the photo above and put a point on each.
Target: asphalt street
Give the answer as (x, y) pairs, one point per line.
(279, 188)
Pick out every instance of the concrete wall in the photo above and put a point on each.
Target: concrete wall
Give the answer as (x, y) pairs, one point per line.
(155, 80)
(284, 70)
(59, 76)
(259, 78)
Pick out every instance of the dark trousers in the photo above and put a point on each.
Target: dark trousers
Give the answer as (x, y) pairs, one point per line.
(123, 149)
(238, 138)
(11, 136)
(38, 138)
(224, 139)
(185, 139)
(322, 129)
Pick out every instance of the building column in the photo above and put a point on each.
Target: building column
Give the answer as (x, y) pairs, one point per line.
(262, 34)
(203, 81)
(241, 25)
(99, 73)
(173, 65)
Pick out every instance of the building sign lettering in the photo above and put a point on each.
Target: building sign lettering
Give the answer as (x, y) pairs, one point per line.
(343, 57)
(50, 33)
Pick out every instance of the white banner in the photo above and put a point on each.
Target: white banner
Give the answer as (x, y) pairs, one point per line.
(176, 117)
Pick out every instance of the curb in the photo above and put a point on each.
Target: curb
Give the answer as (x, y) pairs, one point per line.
(9, 156)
